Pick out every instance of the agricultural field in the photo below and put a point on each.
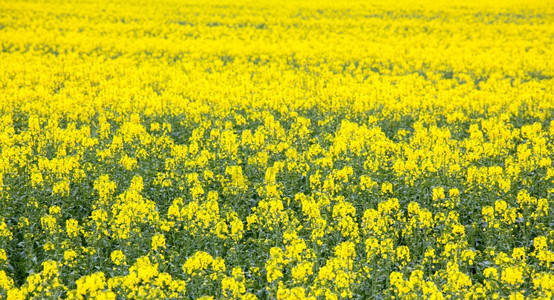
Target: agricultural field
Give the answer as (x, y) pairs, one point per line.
(302, 149)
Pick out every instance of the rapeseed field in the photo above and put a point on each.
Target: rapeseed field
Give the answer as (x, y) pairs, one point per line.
(302, 149)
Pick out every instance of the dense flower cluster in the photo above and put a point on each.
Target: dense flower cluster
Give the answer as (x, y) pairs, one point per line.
(302, 149)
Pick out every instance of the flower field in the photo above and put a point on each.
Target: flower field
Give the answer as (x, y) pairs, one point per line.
(301, 149)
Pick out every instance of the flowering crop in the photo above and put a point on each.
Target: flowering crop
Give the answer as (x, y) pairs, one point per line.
(297, 149)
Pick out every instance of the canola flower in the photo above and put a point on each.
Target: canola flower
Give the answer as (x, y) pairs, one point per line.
(295, 149)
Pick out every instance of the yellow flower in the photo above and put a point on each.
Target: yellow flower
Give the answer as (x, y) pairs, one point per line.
(386, 188)
(61, 188)
(91, 285)
(49, 246)
(403, 255)
(158, 241)
(6, 283)
(69, 256)
(117, 257)
(512, 275)
(3, 256)
(50, 269)
(438, 193)
(72, 227)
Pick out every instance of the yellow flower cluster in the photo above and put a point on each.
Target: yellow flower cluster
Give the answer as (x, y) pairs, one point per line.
(307, 149)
